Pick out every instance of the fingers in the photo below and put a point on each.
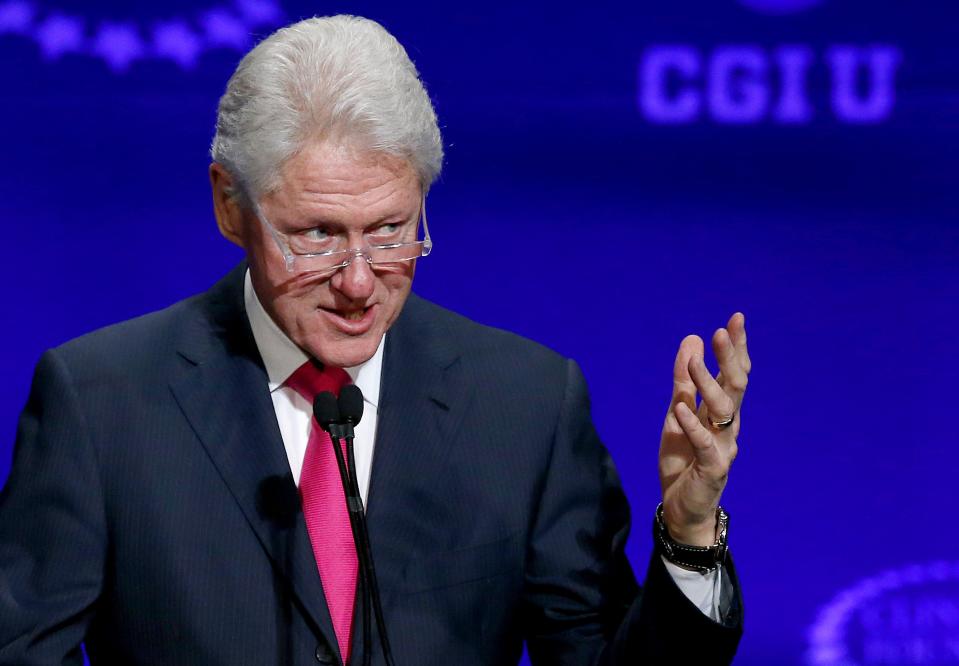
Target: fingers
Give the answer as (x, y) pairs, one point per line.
(718, 402)
(737, 333)
(722, 395)
(733, 378)
(704, 446)
(684, 389)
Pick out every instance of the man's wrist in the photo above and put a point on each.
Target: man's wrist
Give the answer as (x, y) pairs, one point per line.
(697, 535)
(697, 557)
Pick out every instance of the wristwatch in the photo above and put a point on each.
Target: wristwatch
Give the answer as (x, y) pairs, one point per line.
(698, 558)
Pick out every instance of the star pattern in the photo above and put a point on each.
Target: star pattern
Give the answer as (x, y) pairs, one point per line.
(120, 44)
(176, 41)
(16, 16)
(224, 28)
(60, 34)
(260, 12)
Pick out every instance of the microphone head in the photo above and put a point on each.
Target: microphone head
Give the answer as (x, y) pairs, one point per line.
(351, 404)
(278, 501)
(326, 410)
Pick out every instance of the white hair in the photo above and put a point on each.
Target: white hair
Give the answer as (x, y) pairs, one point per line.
(336, 78)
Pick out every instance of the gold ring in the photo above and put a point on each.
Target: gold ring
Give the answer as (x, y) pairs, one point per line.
(722, 424)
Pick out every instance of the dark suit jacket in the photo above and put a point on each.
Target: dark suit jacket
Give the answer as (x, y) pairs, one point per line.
(150, 512)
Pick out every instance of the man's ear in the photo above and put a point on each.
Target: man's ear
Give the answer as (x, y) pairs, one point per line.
(226, 207)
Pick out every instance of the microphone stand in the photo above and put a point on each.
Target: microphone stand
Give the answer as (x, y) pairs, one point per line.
(367, 551)
(354, 506)
(361, 538)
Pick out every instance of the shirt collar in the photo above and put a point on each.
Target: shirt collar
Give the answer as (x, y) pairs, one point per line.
(282, 357)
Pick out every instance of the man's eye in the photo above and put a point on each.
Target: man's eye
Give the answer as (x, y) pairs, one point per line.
(317, 235)
(388, 230)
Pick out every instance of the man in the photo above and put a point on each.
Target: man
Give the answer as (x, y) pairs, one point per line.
(172, 502)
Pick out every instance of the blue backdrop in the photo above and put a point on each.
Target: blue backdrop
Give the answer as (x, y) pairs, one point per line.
(617, 176)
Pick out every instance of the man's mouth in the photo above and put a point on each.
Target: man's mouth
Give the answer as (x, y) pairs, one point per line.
(353, 321)
(347, 313)
(354, 315)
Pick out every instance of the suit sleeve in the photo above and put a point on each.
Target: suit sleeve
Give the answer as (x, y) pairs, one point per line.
(582, 603)
(52, 527)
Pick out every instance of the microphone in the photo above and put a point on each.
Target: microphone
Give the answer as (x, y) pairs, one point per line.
(278, 501)
(338, 417)
(350, 407)
(351, 411)
(326, 410)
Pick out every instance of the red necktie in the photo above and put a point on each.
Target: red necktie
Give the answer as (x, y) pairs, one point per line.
(324, 506)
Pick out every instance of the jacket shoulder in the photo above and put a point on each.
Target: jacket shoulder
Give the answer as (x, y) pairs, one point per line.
(131, 347)
(146, 346)
(488, 344)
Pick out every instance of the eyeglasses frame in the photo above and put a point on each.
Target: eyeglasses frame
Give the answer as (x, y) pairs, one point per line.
(349, 254)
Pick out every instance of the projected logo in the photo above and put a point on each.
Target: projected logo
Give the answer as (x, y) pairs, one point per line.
(903, 617)
(119, 44)
(751, 83)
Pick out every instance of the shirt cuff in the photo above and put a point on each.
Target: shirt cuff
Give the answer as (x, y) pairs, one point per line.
(703, 589)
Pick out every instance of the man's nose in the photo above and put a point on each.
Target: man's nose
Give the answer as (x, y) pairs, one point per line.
(356, 280)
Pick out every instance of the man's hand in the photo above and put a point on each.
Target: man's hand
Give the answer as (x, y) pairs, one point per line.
(694, 454)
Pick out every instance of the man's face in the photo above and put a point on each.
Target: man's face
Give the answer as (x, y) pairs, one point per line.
(338, 319)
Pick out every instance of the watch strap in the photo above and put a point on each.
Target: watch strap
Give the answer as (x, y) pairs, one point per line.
(698, 558)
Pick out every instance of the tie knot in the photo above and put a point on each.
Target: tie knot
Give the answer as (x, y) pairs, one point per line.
(312, 378)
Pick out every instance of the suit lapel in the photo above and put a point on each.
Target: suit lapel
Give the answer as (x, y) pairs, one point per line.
(423, 397)
(225, 397)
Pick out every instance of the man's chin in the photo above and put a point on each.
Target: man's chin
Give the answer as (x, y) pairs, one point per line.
(346, 353)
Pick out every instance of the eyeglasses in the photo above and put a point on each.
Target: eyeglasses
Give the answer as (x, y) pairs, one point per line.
(317, 250)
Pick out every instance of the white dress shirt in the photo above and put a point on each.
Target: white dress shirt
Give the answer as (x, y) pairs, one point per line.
(281, 357)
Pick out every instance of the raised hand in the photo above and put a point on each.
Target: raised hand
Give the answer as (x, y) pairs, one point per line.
(698, 443)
